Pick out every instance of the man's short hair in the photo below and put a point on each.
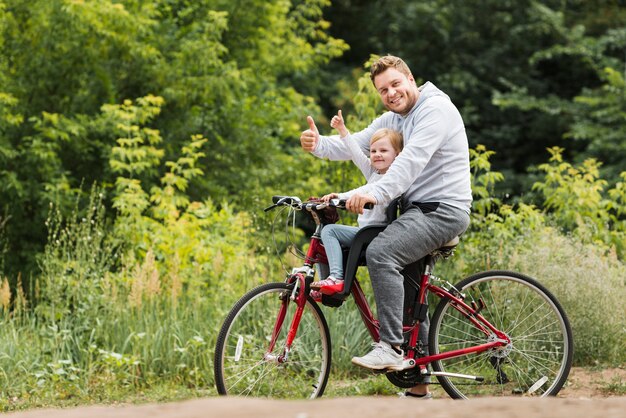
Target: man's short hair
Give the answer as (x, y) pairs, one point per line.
(389, 61)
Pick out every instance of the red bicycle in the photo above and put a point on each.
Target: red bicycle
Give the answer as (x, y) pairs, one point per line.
(495, 333)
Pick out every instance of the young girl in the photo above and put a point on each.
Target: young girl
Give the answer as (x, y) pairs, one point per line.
(385, 145)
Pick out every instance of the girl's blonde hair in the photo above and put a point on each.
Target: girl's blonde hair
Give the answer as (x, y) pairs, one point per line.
(395, 138)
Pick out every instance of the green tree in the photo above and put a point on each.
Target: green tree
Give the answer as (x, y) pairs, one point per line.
(214, 62)
(592, 111)
(600, 122)
(478, 50)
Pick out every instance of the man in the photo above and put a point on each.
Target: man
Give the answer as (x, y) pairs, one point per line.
(432, 173)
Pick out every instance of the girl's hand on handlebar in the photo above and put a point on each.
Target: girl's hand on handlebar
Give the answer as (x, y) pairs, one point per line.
(357, 202)
(326, 198)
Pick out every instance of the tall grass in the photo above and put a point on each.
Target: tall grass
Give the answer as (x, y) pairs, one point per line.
(105, 319)
(588, 281)
(103, 323)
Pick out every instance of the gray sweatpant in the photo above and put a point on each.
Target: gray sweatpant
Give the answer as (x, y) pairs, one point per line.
(409, 238)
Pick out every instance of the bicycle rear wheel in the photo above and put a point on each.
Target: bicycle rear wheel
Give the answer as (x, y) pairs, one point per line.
(243, 364)
(535, 363)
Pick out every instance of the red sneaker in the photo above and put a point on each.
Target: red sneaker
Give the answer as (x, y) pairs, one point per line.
(328, 286)
(316, 295)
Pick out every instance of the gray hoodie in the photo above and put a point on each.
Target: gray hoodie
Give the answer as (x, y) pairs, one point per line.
(434, 163)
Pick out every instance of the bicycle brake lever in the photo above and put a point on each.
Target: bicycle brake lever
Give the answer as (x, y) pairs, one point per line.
(269, 208)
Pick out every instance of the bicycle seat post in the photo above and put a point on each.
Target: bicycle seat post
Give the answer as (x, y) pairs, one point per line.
(429, 265)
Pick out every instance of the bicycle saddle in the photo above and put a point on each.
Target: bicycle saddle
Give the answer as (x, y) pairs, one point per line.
(449, 245)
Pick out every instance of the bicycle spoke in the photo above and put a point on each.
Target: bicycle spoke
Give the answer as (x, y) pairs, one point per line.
(530, 314)
(538, 357)
(243, 365)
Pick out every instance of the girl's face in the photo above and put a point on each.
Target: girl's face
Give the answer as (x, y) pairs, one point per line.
(382, 155)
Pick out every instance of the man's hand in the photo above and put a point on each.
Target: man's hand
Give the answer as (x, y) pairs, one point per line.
(358, 200)
(310, 137)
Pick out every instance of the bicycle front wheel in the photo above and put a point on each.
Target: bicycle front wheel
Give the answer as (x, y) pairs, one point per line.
(535, 363)
(244, 364)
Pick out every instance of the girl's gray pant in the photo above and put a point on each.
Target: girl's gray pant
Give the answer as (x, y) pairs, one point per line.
(407, 239)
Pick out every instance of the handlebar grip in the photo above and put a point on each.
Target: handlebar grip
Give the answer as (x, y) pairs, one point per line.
(341, 203)
(286, 200)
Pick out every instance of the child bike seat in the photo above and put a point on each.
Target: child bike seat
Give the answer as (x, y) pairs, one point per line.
(355, 256)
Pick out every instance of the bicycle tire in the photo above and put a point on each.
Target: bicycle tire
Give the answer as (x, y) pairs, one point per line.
(241, 366)
(539, 358)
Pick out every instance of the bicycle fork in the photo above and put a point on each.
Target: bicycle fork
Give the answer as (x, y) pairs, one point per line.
(298, 296)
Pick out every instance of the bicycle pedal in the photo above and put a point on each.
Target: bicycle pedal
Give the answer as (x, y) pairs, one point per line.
(407, 363)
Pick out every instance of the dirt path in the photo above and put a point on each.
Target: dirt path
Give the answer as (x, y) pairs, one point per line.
(585, 396)
(371, 407)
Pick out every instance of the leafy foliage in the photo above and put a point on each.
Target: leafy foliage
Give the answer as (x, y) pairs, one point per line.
(577, 199)
(514, 68)
(594, 114)
(213, 62)
(182, 119)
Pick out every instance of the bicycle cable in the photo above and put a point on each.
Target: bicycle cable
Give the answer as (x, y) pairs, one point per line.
(278, 255)
(289, 237)
(293, 248)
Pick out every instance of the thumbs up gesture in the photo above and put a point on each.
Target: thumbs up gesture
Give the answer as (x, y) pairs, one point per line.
(310, 137)
(338, 123)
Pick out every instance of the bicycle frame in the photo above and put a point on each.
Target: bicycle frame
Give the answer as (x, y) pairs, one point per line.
(469, 312)
(303, 276)
(500, 332)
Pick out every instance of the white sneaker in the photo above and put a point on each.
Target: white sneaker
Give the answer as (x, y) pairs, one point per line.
(381, 357)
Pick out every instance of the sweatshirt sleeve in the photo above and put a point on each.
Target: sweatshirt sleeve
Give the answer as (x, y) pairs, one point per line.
(425, 139)
(336, 149)
(362, 189)
(358, 156)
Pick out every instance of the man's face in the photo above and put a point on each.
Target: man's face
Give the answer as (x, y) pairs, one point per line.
(397, 91)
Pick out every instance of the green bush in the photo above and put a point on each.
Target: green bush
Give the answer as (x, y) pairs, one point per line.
(126, 306)
(574, 247)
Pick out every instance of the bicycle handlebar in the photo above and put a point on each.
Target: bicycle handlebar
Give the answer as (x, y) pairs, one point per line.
(298, 204)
